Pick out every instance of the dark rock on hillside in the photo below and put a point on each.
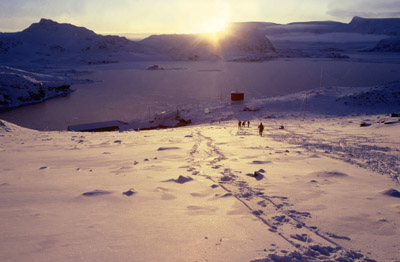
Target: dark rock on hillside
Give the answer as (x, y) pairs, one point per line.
(391, 44)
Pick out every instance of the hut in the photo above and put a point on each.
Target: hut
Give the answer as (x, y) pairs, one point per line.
(237, 96)
(98, 126)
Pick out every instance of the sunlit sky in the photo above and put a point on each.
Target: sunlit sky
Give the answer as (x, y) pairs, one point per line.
(183, 16)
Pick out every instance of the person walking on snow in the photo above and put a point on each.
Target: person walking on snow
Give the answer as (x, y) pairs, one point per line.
(260, 129)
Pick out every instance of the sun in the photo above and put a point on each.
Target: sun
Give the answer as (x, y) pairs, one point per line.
(214, 25)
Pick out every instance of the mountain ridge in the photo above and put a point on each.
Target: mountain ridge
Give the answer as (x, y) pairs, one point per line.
(51, 42)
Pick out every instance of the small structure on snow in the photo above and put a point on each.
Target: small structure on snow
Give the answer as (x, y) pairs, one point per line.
(107, 126)
(237, 96)
(165, 119)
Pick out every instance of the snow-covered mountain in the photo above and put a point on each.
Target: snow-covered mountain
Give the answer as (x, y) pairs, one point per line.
(359, 25)
(66, 37)
(239, 43)
(376, 26)
(52, 42)
(318, 27)
(310, 37)
(49, 42)
(48, 39)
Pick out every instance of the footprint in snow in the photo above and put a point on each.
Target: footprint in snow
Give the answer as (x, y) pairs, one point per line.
(260, 162)
(200, 195)
(180, 180)
(201, 210)
(391, 192)
(129, 193)
(337, 237)
(167, 148)
(328, 174)
(166, 195)
(257, 175)
(302, 238)
(96, 193)
(257, 212)
(226, 178)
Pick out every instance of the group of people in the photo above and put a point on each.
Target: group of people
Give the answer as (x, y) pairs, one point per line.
(243, 124)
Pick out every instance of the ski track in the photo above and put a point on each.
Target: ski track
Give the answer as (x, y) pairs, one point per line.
(356, 150)
(275, 212)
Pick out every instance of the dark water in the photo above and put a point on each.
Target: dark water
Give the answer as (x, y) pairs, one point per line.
(129, 92)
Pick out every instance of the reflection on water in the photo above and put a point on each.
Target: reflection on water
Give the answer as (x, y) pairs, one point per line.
(129, 94)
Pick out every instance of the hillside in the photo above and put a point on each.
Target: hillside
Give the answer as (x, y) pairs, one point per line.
(20, 87)
(240, 42)
(52, 41)
(309, 38)
(358, 25)
(58, 43)
(379, 26)
(319, 188)
(391, 44)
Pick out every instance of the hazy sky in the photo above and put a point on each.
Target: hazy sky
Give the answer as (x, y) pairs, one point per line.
(183, 16)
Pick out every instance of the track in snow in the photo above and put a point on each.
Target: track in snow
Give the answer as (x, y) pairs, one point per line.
(275, 212)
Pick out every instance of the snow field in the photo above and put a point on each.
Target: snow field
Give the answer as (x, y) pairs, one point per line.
(194, 196)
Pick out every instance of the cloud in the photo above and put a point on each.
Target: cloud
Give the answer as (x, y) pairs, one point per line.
(38, 8)
(349, 14)
(19, 14)
(364, 8)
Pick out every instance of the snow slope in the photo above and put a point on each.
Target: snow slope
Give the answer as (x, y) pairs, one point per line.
(329, 101)
(321, 184)
(191, 194)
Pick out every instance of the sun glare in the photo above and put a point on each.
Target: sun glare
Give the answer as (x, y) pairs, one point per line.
(216, 25)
